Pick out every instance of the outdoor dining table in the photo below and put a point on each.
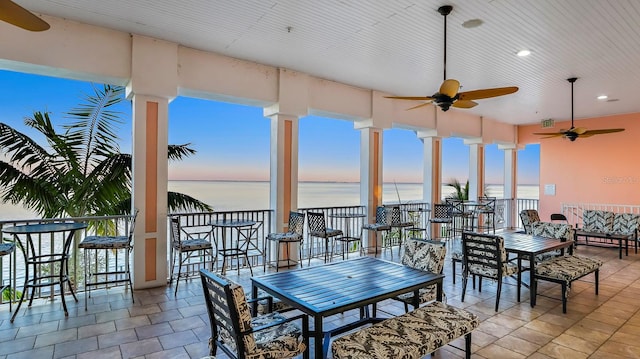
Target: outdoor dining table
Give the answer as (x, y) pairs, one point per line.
(35, 257)
(325, 290)
(528, 247)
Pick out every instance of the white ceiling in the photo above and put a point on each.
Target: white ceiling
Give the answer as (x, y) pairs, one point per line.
(396, 46)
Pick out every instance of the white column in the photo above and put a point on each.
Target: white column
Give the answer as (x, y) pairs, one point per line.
(432, 167)
(510, 183)
(283, 189)
(476, 169)
(370, 177)
(153, 84)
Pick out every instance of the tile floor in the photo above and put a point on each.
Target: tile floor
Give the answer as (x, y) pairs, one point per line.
(160, 325)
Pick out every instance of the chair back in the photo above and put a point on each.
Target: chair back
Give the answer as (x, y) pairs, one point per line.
(396, 216)
(483, 254)
(229, 314)
(442, 210)
(529, 216)
(176, 240)
(382, 215)
(560, 231)
(558, 217)
(317, 224)
(296, 222)
(457, 206)
(424, 255)
(132, 224)
(487, 204)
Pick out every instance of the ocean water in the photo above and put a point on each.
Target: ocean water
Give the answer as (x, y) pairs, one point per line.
(240, 195)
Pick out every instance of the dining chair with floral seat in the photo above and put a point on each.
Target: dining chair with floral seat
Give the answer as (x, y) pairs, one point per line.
(241, 336)
(528, 216)
(484, 256)
(427, 256)
(562, 231)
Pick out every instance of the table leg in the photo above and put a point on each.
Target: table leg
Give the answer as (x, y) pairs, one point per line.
(533, 285)
(318, 338)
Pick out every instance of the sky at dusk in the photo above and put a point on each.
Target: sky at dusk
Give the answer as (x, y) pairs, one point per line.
(232, 141)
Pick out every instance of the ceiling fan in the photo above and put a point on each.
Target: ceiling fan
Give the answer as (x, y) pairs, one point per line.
(17, 15)
(574, 132)
(448, 94)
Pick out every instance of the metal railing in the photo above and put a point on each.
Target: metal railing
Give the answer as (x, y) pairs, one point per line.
(522, 203)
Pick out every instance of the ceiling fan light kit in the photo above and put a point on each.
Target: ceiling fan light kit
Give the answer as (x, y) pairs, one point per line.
(574, 132)
(448, 95)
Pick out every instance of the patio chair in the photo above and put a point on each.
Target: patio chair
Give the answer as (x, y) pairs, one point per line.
(107, 244)
(6, 249)
(185, 249)
(397, 221)
(485, 257)
(293, 235)
(318, 229)
(486, 211)
(442, 214)
(529, 216)
(239, 335)
(559, 217)
(427, 256)
(380, 226)
(463, 219)
(561, 231)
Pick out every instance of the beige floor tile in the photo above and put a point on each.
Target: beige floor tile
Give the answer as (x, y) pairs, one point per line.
(558, 351)
(587, 346)
(496, 351)
(517, 345)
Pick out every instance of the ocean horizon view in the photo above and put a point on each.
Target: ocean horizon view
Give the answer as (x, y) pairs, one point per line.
(243, 195)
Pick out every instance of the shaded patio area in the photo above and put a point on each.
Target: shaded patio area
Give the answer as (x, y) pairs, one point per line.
(159, 325)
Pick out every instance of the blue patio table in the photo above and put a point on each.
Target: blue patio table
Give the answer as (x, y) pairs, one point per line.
(35, 257)
(325, 290)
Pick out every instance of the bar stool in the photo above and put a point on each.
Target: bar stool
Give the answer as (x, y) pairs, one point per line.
(7, 249)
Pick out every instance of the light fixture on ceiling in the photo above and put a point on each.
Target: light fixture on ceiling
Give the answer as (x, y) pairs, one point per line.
(603, 97)
(523, 53)
(469, 24)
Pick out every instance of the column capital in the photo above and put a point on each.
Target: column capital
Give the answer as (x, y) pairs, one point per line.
(510, 146)
(473, 141)
(426, 133)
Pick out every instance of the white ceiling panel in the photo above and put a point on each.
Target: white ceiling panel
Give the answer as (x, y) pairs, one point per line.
(397, 46)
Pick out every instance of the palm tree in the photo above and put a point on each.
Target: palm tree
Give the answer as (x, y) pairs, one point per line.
(81, 170)
(461, 192)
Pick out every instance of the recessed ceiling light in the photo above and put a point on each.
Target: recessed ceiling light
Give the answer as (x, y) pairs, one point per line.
(523, 53)
(603, 97)
(472, 23)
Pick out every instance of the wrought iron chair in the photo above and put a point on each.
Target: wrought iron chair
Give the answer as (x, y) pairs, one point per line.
(108, 244)
(486, 214)
(380, 226)
(6, 249)
(427, 256)
(293, 235)
(318, 229)
(462, 218)
(239, 335)
(397, 221)
(442, 214)
(484, 256)
(186, 249)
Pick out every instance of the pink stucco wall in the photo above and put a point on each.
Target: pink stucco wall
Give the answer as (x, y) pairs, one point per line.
(600, 169)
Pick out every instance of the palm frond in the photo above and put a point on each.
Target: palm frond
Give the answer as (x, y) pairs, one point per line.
(178, 152)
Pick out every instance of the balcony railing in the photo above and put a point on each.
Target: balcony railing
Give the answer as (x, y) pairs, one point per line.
(573, 211)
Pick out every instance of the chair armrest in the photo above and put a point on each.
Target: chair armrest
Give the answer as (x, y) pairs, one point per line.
(303, 317)
(254, 302)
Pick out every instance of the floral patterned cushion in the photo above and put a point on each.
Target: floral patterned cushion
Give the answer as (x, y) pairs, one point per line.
(412, 335)
(192, 244)
(567, 268)
(426, 256)
(376, 226)
(552, 230)
(492, 272)
(529, 216)
(285, 236)
(329, 233)
(104, 242)
(425, 295)
(277, 304)
(597, 221)
(626, 223)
